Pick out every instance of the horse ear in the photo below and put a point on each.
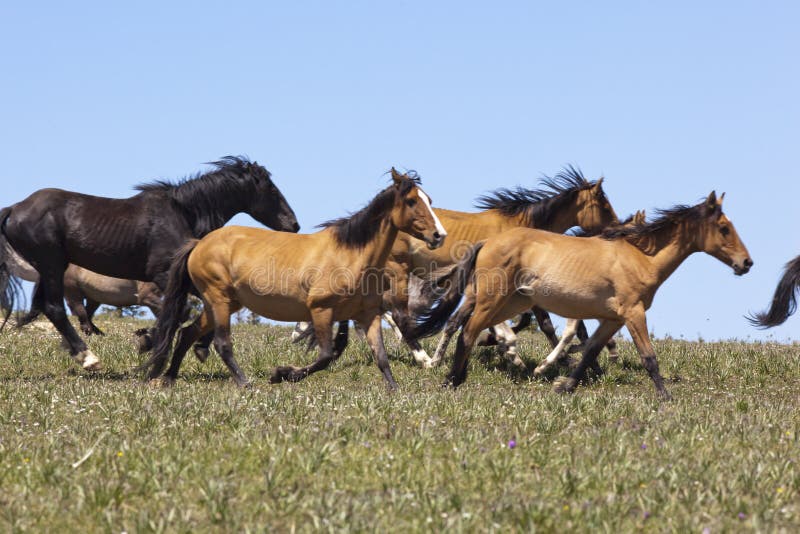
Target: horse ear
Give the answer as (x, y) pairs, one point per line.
(396, 176)
(711, 202)
(598, 186)
(719, 201)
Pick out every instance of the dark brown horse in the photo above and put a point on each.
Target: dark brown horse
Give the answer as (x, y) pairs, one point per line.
(132, 238)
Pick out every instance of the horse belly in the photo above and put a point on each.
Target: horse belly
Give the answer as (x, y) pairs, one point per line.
(275, 307)
(108, 290)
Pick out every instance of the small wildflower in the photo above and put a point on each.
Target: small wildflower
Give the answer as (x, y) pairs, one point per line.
(512, 444)
(119, 454)
(26, 460)
(706, 530)
(646, 515)
(779, 490)
(644, 446)
(566, 507)
(742, 515)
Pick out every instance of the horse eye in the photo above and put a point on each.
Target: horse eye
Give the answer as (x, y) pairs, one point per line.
(411, 202)
(724, 230)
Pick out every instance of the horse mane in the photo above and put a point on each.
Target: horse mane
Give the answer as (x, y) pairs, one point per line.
(202, 196)
(580, 232)
(538, 207)
(357, 229)
(651, 236)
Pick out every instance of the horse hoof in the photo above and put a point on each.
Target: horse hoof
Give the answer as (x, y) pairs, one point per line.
(286, 373)
(565, 385)
(613, 358)
(539, 371)
(201, 353)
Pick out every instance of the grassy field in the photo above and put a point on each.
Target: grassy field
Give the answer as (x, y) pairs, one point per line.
(104, 452)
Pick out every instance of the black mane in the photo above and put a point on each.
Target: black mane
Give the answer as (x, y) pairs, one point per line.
(580, 232)
(643, 236)
(538, 206)
(202, 196)
(359, 228)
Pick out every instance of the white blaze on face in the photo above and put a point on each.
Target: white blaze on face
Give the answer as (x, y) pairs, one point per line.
(427, 202)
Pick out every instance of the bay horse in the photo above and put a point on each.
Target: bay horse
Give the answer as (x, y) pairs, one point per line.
(562, 202)
(784, 302)
(612, 277)
(336, 274)
(132, 238)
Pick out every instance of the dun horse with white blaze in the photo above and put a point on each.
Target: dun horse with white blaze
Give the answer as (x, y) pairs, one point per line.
(336, 274)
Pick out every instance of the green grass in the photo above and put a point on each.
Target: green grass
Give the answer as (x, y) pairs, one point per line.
(338, 452)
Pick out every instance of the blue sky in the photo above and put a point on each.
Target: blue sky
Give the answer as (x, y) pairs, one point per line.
(668, 101)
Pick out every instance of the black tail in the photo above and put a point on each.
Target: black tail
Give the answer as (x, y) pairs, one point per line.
(448, 292)
(173, 311)
(10, 286)
(784, 302)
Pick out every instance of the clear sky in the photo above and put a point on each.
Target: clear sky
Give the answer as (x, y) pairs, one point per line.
(667, 100)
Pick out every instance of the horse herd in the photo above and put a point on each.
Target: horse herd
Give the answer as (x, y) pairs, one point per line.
(397, 258)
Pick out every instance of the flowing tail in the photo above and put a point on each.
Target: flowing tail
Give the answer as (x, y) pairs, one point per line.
(10, 286)
(448, 292)
(173, 312)
(784, 302)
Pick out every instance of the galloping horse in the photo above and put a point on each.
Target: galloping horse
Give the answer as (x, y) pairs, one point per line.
(784, 302)
(133, 238)
(573, 326)
(82, 285)
(565, 201)
(336, 274)
(612, 277)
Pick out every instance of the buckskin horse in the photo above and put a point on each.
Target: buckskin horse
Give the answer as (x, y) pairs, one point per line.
(564, 201)
(132, 238)
(573, 326)
(612, 277)
(336, 274)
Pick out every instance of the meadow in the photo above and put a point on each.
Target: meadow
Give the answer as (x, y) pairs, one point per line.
(106, 453)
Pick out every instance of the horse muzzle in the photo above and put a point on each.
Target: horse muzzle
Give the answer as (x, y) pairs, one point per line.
(435, 241)
(742, 268)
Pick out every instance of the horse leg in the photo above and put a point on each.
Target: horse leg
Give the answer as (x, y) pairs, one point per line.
(593, 347)
(91, 307)
(222, 311)
(322, 319)
(375, 340)
(52, 283)
(201, 348)
(401, 319)
(37, 306)
(545, 325)
(201, 327)
(420, 356)
(508, 343)
(637, 326)
(523, 323)
(566, 338)
(453, 324)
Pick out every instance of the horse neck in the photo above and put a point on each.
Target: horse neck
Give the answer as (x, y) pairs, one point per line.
(559, 222)
(376, 252)
(212, 211)
(671, 251)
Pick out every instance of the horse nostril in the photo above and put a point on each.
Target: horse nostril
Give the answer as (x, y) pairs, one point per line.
(748, 263)
(436, 235)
